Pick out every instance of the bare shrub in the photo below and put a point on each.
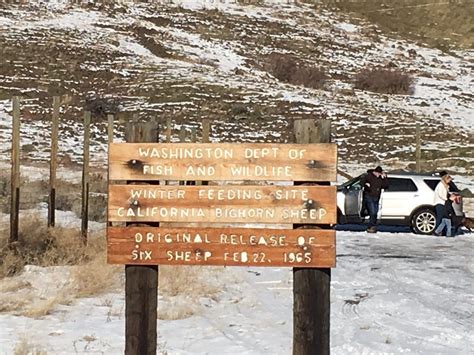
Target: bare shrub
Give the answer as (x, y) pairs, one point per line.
(384, 81)
(287, 69)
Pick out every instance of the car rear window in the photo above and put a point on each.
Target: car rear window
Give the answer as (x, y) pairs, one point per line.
(401, 184)
(432, 183)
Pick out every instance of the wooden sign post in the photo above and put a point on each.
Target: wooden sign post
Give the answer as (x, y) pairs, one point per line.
(237, 205)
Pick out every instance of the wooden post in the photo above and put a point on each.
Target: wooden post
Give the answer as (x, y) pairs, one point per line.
(15, 177)
(54, 161)
(110, 128)
(418, 148)
(311, 287)
(85, 177)
(141, 282)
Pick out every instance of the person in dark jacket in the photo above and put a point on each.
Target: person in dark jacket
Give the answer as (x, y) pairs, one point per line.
(373, 183)
(448, 215)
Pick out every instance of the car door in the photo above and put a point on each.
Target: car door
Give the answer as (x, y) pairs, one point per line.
(353, 198)
(398, 198)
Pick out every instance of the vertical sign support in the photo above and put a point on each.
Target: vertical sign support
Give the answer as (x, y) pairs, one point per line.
(418, 148)
(54, 161)
(141, 282)
(85, 177)
(15, 177)
(311, 287)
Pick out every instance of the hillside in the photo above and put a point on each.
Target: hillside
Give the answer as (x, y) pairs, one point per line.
(194, 60)
(252, 67)
(446, 25)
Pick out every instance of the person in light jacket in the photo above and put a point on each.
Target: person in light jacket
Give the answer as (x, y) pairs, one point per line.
(440, 197)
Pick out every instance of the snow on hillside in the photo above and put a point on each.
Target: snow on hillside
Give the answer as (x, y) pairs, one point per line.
(390, 293)
(191, 59)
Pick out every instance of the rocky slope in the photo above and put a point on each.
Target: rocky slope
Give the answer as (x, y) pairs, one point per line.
(193, 59)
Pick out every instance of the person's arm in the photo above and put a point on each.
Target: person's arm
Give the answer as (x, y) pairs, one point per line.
(365, 183)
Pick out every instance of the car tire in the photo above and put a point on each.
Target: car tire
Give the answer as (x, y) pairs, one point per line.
(424, 221)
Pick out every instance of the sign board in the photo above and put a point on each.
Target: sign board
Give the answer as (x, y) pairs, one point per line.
(221, 246)
(191, 244)
(222, 204)
(222, 162)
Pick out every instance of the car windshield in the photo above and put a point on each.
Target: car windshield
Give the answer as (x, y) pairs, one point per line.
(351, 183)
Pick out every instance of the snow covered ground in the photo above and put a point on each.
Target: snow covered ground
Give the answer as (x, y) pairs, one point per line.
(391, 293)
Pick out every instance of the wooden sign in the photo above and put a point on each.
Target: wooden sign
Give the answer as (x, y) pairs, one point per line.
(222, 162)
(223, 204)
(221, 246)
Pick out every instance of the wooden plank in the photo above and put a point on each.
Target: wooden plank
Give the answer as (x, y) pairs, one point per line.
(221, 246)
(53, 161)
(85, 177)
(223, 161)
(222, 204)
(15, 173)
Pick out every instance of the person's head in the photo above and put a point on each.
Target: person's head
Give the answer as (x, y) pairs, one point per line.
(378, 171)
(446, 179)
(443, 173)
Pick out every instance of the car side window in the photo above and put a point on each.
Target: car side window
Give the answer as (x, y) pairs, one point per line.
(432, 183)
(401, 185)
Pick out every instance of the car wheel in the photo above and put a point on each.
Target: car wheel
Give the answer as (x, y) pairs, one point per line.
(424, 221)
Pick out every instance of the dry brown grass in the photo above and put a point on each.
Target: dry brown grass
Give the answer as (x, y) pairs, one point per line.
(41, 308)
(38, 245)
(384, 81)
(192, 281)
(94, 277)
(182, 287)
(26, 347)
(177, 308)
(43, 246)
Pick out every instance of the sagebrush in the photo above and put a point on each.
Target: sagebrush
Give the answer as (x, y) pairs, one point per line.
(384, 81)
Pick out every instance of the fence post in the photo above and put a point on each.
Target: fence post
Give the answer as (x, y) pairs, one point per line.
(85, 177)
(15, 177)
(311, 287)
(141, 282)
(418, 148)
(168, 129)
(54, 161)
(110, 128)
(206, 130)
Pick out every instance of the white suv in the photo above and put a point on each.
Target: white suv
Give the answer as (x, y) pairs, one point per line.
(408, 201)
